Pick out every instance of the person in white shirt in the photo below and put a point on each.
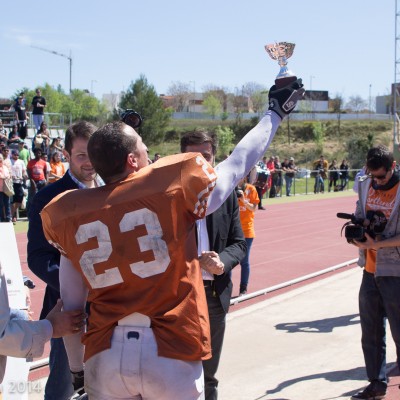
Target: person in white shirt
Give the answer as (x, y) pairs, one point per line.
(19, 176)
(26, 339)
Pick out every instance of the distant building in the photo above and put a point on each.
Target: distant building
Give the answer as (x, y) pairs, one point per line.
(112, 100)
(314, 101)
(383, 104)
(196, 103)
(193, 103)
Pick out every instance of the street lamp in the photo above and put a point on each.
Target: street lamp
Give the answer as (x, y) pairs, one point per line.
(311, 102)
(194, 97)
(91, 87)
(369, 106)
(61, 55)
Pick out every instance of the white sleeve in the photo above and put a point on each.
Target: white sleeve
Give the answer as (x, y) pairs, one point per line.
(74, 295)
(243, 158)
(19, 338)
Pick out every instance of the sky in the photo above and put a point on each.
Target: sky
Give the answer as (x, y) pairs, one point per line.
(344, 46)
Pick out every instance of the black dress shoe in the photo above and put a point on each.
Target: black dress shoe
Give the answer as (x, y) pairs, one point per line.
(261, 208)
(370, 394)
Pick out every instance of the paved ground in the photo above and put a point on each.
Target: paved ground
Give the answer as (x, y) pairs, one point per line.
(303, 344)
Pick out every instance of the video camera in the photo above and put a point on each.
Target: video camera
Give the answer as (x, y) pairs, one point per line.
(239, 190)
(131, 118)
(374, 224)
(354, 229)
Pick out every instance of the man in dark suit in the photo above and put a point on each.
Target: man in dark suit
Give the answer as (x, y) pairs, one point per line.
(221, 246)
(44, 259)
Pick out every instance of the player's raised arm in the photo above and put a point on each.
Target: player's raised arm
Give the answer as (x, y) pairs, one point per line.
(255, 143)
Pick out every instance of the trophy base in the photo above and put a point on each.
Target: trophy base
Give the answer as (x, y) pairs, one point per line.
(282, 82)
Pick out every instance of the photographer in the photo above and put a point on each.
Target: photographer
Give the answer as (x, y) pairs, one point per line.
(248, 203)
(379, 296)
(290, 170)
(321, 167)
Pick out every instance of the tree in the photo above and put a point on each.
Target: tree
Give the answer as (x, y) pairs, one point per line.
(357, 148)
(142, 97)
(337, 104)
(225, 137)
(181, 95)
(356, 103)
(319, 134)
(212, 105)
(258, 95)
(239, 103)
(259, 101)
(219, 92)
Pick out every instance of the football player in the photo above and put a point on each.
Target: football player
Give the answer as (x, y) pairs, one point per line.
(130, 250)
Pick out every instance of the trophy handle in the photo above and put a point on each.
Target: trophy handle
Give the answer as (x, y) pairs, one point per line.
(282, 82)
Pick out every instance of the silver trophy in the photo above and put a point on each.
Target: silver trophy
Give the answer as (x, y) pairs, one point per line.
(281, 51)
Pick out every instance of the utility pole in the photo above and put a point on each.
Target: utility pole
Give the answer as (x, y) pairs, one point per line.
(311, 97)
(395, 91)
(61, 55)
(91, 87)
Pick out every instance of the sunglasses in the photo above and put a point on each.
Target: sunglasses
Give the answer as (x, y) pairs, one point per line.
(378, 177)
(131, 118)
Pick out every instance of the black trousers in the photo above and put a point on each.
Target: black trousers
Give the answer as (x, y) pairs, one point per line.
(217, 325)
(259, 192)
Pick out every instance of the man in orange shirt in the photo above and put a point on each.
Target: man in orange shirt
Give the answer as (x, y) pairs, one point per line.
(37, 173)
(379, 297)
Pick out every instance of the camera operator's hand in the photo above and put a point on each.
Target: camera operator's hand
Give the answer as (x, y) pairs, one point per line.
(283, 101)
(369, 244)
(239, 193)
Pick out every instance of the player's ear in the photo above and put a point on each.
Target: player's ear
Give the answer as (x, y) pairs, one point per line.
(131, 161)
(66, 155)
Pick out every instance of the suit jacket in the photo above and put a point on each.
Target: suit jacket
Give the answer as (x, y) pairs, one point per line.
(43, 258)
(19, 338)
(226, 238)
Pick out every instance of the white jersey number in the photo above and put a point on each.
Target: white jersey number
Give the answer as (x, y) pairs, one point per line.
(112, 276)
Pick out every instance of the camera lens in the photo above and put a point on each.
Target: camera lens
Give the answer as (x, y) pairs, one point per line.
(131, 118)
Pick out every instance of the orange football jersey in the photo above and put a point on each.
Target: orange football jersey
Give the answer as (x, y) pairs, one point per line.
(134, 244)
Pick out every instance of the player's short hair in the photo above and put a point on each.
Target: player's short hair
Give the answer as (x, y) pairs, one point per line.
(108, 149)
(379, 156)
(81, 129)
(199, 136)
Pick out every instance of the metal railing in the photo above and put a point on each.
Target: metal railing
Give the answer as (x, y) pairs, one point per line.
(53, 120)
(282, 285)
(306, 182)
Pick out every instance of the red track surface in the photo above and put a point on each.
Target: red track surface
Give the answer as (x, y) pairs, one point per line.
(295, 239)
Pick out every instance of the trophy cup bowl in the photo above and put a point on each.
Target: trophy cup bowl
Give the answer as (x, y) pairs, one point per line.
(281, 51)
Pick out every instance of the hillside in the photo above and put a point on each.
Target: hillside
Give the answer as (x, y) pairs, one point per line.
(308, 139)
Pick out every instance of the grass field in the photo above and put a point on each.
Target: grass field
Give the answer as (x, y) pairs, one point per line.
(306, 186)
